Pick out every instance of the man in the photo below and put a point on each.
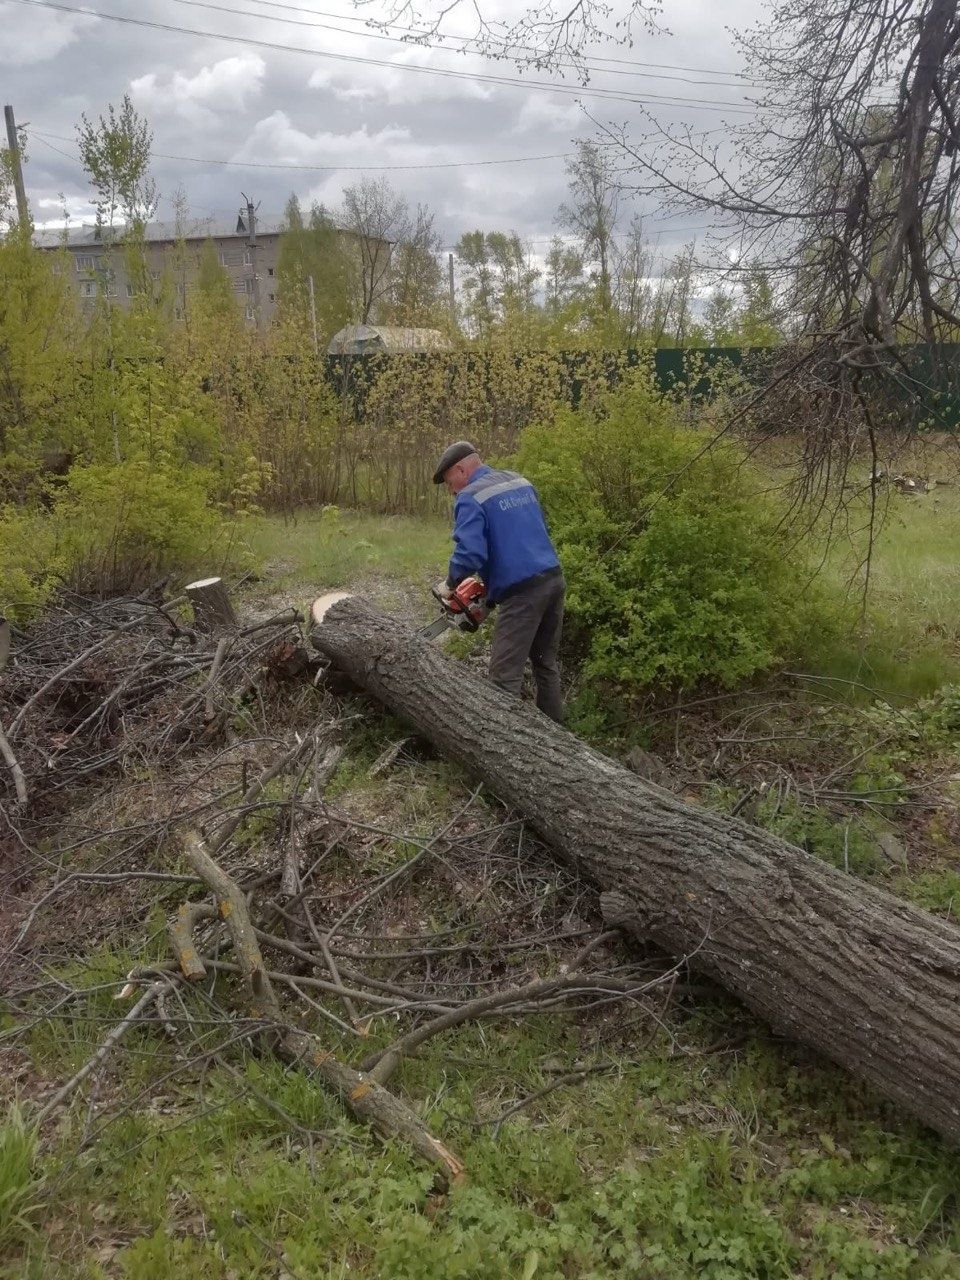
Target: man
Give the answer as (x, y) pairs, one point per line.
(499, 534)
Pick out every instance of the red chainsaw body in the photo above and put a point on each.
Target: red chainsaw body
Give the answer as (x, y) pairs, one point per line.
(468, 602)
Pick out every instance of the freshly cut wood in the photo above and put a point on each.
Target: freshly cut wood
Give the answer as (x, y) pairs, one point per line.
(852, 971)
(212, 610)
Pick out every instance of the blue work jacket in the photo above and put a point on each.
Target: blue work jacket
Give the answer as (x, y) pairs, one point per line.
(499, 532)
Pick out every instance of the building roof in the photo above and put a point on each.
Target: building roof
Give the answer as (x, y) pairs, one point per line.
(221, 228)
(356, 339)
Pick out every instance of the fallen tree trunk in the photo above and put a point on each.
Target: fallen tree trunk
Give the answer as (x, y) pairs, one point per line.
(848, 969)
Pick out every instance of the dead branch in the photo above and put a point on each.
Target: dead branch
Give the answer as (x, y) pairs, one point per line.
(381, 1065)
(19, 781)
(116, 1035)
(367, 1099)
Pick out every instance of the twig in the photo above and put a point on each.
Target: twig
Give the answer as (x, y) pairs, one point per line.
(19, 781)
(117, 1034)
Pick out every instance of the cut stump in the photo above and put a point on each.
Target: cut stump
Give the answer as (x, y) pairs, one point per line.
(212, 609)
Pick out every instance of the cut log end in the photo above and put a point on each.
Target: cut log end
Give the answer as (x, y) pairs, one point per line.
(324, 603)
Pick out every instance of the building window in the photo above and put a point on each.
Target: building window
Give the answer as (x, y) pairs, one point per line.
(273, 297)
(87, 262)
(269, 271)
(251, 314)
(88, 288)
(130, 290)
(248, 257)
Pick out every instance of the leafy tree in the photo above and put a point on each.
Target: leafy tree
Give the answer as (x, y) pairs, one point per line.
(417, 275)
(591, 214)
(674, 320)
(479, 284)
(39, 333)
(214, 287)
(563, 278)
(761, 317)
(635, 297)
(314, 248)
(720, 318)
(516, 277)
(378, 219)
(116, 155)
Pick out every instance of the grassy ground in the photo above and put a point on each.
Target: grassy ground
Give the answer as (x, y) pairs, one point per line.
(700, 1149)
(334, 548)
(911, 642)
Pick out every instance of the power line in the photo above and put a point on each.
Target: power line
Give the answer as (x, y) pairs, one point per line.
(349, 168)
(480, 77)
(524, 48)
(418, 43)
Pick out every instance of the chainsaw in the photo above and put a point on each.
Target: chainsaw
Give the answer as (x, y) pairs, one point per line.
(464, 608)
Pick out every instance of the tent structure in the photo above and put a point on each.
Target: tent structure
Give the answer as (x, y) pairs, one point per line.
(366, 339)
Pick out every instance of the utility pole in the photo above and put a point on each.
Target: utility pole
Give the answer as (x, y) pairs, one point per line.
(23, 213)
(453, 296)
(313, 316)
(252, 247)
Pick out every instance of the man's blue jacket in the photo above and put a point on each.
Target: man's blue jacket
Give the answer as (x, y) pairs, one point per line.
(499, 532)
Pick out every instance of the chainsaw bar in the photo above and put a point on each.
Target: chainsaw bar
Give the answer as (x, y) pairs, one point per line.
(437, 628)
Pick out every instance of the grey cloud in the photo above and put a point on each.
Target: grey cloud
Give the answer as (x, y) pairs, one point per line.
(224, 102)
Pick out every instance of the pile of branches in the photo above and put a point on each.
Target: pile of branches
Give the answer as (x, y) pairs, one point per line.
(296, 927)
(99, 683)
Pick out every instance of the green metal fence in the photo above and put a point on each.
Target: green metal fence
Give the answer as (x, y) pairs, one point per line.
(921, 384)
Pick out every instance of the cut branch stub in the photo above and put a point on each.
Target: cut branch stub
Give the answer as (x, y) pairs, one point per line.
(863, 977)
(212, 609)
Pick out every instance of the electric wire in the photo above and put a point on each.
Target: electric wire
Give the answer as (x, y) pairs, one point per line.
(646, 99)
(373, 33)
(42, 136)
(507, 46)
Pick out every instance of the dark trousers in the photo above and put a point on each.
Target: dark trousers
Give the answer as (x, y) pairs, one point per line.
(528, 626)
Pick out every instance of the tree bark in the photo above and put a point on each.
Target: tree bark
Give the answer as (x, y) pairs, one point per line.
(212, 610)
(841, 966)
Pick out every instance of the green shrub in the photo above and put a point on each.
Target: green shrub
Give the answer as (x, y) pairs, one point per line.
(124, 526)
(677, 568)
(30, 565)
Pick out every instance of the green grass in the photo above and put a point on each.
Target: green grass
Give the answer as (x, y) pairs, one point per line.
(336, 548)
(911, 642)
(20, 1186)
(689, 1165)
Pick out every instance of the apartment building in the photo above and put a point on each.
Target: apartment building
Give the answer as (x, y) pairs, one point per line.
(97, 266)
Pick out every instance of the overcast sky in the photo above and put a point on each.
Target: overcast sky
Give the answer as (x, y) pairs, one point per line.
(247, 104)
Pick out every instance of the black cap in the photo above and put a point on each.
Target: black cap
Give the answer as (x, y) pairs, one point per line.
(453, 453)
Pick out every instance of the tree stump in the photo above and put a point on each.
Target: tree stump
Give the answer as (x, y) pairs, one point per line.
(212, 610)
(848, 969)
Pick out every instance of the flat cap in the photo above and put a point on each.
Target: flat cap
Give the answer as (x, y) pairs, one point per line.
(453, 453)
